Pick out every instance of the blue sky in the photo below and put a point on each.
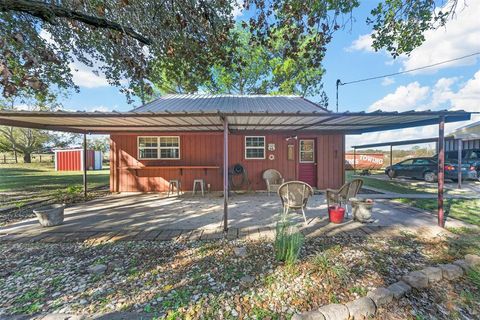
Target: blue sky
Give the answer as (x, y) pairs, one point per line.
(349, 57)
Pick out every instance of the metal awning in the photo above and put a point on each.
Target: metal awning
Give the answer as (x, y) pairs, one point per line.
(314, 122)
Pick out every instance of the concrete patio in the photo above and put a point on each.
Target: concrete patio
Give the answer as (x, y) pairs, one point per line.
(251, 216)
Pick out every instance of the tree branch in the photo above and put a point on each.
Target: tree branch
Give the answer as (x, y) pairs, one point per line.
(47, 12)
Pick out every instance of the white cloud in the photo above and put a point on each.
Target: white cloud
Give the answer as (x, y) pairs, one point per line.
(468, 97)
(363, 43)
(388, 81)
(84, 76)
(404, 98)
(458, 38)
(237, 8)
(100, 108)
(415, 97)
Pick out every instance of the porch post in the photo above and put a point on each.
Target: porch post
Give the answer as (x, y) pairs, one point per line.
(84, 161)
(441, 169)
(354, 161)
(225, 175)
(391, 159)
(460, 146)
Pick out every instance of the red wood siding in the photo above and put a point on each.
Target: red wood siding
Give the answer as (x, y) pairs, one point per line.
(71, 160)
(207, 149)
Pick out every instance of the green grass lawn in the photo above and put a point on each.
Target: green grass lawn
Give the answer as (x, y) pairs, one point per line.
(467, 210)
(391, 185)
(39, 177)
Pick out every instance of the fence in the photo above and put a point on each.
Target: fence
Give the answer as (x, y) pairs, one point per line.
(6, 158)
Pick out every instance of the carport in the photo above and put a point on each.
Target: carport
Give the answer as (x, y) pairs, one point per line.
(210, 119)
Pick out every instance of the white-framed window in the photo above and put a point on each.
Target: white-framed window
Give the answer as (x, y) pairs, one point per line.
(165, 147)
(255, 147)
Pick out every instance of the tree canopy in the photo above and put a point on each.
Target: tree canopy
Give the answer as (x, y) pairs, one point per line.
(181, 45)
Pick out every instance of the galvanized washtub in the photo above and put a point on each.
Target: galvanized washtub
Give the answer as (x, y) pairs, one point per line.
(51, 215)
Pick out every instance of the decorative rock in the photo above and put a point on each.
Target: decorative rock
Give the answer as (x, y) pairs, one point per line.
(433, 274)
(97, 269)
(381, 296)
(51, 215)
(334, 311)
(451, 271)
(247, 279)
(472, 260)
(416, 279)
(240, 252)
(399, 289)
(462, 264)
(310, 315)
(361, 308)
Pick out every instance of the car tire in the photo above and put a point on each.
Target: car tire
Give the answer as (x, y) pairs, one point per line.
(391, 174)
(429, 176)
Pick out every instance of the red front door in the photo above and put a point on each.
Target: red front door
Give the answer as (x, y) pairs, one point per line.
(307, 171)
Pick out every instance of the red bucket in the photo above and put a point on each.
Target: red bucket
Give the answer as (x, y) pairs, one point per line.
(336, 214)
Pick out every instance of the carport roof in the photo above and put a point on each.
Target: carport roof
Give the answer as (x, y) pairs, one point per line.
(277, 113)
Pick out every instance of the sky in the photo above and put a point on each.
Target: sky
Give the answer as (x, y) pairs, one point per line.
(349, 57)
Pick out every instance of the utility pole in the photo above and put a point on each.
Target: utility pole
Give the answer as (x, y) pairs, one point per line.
(339, 83)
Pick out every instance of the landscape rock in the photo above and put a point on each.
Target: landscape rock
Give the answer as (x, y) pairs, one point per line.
(451, 271)
(416, 279)
(310, 315)
(240, 252)
(434, 274)
(97, 269)
(381, 296)
(247, 279)
(361, 308)
(334, 311)
(60, 316)
(472, 260)
(399, 289)
(462, 264)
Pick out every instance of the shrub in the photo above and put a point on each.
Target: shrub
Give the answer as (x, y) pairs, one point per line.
(288, 242)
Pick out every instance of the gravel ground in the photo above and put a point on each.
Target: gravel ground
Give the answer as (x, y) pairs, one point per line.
(227, 279)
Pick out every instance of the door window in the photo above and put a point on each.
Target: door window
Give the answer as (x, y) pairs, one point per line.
(307, 151)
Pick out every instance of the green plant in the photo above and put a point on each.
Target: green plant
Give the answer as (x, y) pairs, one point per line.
(474, 276)
(358, 290)
(288, 242)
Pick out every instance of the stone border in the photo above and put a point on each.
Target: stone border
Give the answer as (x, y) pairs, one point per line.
(380, 297)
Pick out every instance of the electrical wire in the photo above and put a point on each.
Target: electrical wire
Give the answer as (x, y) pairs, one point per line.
(410, 70)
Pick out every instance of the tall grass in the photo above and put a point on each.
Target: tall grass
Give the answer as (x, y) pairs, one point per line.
(288, 242)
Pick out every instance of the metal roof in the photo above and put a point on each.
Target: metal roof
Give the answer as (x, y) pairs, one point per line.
(166, 121)
(396, 143)
(468, 132)
(230, 103)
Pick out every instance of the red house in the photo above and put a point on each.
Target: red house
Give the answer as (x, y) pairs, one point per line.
(146, 161)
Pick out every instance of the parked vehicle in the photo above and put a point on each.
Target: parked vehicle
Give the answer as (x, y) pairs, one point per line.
(471, 157)
(427, 169)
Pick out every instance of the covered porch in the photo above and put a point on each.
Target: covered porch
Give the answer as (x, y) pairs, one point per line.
(155, 217)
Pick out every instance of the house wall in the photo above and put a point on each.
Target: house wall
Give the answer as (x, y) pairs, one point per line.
(207, 149)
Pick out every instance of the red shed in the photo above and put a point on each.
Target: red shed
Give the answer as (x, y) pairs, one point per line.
(72, 160)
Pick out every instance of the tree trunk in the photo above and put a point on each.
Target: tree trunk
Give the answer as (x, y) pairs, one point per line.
(27, 158)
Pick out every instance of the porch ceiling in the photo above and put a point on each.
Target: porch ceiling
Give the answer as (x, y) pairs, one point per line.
(317, 122)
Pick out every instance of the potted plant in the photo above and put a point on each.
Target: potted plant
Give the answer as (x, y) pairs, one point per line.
(362, 209)
(51, 215)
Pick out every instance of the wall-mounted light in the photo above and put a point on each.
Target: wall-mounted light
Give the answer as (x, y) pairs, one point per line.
(291, 137)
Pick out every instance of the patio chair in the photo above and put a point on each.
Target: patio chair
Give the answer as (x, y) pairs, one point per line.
(294, 195)
(343, 195)
(273, 179)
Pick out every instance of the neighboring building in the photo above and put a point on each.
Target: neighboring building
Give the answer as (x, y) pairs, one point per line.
(469, 135)
(72, 160)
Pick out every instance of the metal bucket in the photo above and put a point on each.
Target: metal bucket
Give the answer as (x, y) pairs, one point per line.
(362, 209)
